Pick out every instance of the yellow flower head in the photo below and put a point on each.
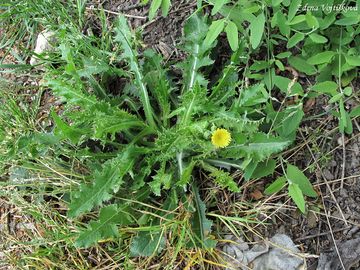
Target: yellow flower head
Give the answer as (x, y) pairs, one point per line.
(221, 138)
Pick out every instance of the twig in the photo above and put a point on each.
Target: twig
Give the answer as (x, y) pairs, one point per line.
(321, 234)
(116, 13)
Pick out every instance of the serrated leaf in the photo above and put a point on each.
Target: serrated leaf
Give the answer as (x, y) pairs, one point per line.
(327, 87)
(295, 39)
(106, 181)
(124, 36)
(232, 35)
(321, 58)
(214, 31)
(296, 176)
(201, 226)
(257, 26)
(67, 131)
(276, 186)
(297, 196)
(110, 217)
(260, 147)
(224, 180)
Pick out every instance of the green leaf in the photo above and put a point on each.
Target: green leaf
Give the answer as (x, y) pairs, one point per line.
(318, 38)
(218, 5)
(327, 87)
(287, 86)
(297, 196)
(260, 147)
(335, 98)
(321, 58)
(224, 180)
(353, 60)
(155, 5)
(186, 174)
(124, 37)
(297, 19)
(295, 39)
(147, 243)
(201, 226)
(67, 132)
(276, 186)
(355, 112)
(110, 217)
(301, 65)
(348, 20)
(283, 55)
(106, 181)
(214, 31)
(292, 121)
(295, 176)
(232, 35)
(165, 7)
(311, 20)
(257, 26)
(293, 9)
(347, 91)
(264, 168)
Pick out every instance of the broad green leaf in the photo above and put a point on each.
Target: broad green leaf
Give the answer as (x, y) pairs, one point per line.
(214, 31)
(335, 98)
(318, 38)
(297, 196)
(155, 5)
(165, 7)
(110, 217)
(321, 58)
(257, 26)
(218, 5)
(297, 19)
(295, 176)
(301, 65)
(311, 20)
(147, 243)
(287, 86)
(355, 112)
(232, 35)
(293, 9)
(283, 55)
(295, 39)
(292, 121)
(353, 60)
(347, 91)
(186, 174)
(348, 20)
(276, 186)
(327, 87)
(281, 22)
(264, 168)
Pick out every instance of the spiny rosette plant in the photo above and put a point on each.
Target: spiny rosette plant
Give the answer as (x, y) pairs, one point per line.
(148, 139)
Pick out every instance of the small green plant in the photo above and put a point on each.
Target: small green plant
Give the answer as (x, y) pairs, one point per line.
(158, 133)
